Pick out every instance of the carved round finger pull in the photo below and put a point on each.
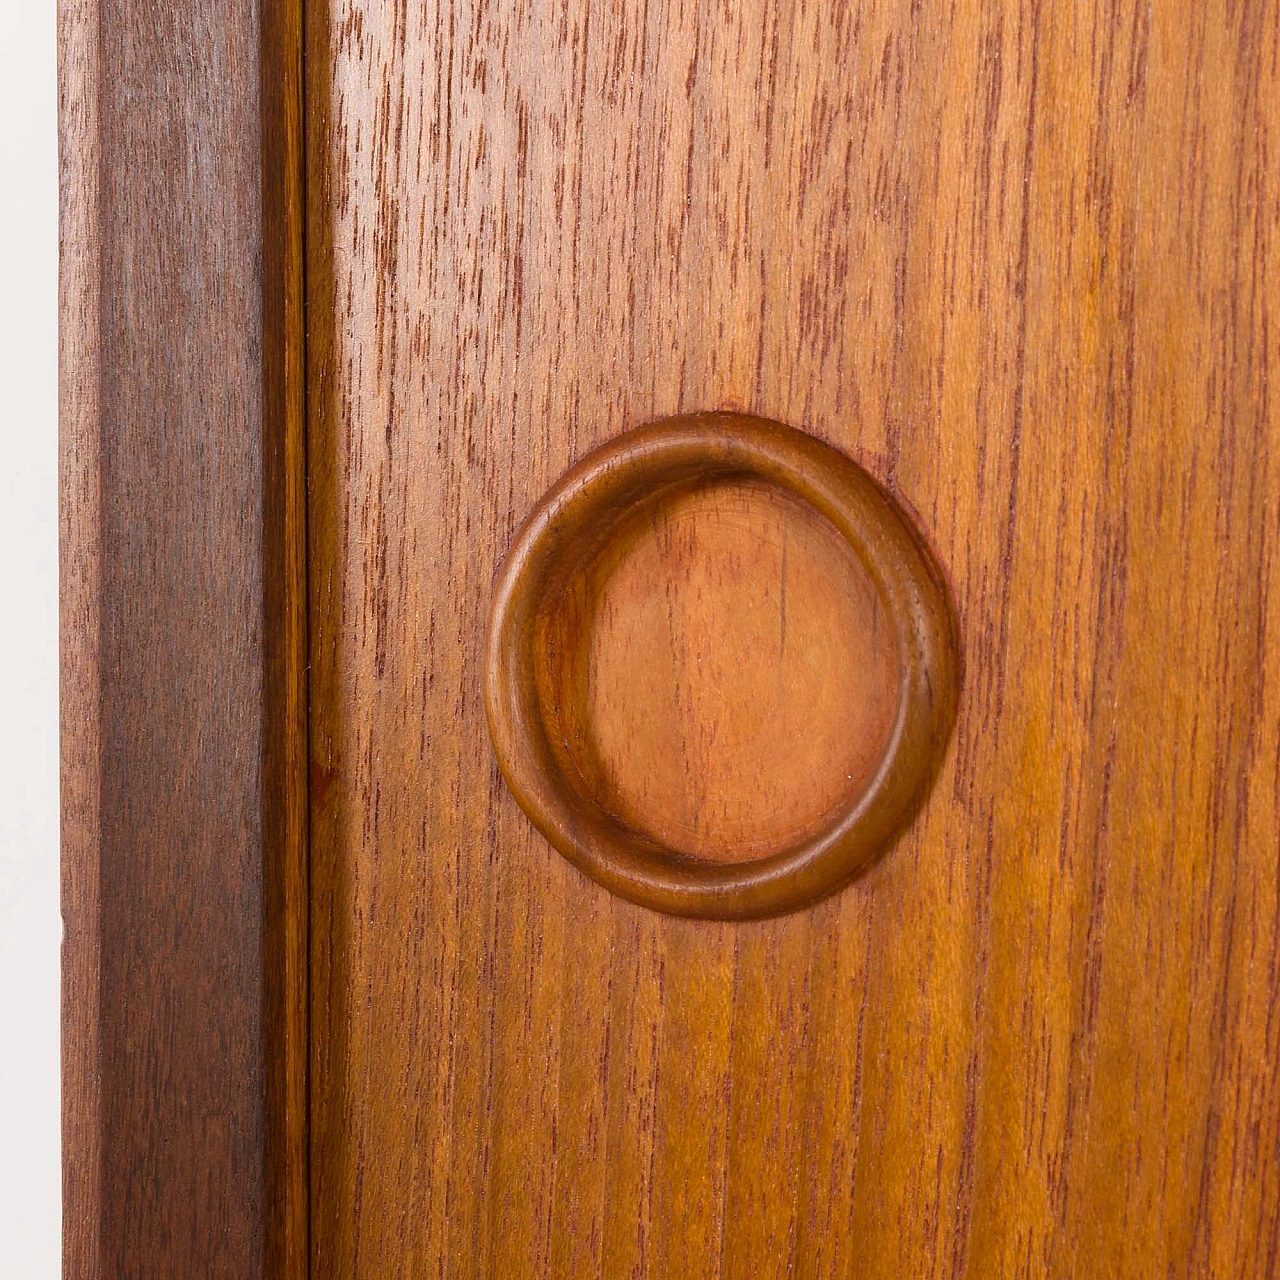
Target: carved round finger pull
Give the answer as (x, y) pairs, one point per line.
(721, 667)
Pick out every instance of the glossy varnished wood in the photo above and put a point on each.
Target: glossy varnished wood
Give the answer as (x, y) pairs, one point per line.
(183, 641)
(720, 667)
(1019, 262)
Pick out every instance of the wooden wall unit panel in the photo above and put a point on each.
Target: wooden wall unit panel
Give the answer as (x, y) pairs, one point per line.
(183, 640)
(1020, 262)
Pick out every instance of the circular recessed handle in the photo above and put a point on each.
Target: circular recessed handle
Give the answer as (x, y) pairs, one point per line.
(721, 667)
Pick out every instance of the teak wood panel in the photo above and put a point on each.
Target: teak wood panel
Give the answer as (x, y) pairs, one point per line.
(183, 622)
(1020, 261)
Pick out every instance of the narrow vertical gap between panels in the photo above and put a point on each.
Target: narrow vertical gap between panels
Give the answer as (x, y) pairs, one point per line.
(303, 1191)
(314, 347)
(323, 604)
(285, 800)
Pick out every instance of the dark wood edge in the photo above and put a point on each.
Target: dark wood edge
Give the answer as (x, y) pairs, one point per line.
(183, 640)
(572, 515)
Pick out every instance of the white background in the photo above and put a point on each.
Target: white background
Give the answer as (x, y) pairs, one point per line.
(30, 928)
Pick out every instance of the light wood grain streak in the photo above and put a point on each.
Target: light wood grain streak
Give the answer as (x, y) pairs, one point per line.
(80, 617)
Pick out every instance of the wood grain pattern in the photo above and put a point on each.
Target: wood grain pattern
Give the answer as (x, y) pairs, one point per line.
(720, 668)
(1021, 262)
(183, 641)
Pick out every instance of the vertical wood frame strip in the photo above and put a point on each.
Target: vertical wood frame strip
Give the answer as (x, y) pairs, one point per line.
(80, 621)
(183, 635)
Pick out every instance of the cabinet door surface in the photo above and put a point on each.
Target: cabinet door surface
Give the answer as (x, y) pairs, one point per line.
(1021, 263)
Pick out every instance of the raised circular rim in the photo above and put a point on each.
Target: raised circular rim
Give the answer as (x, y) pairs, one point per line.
(601, 484)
